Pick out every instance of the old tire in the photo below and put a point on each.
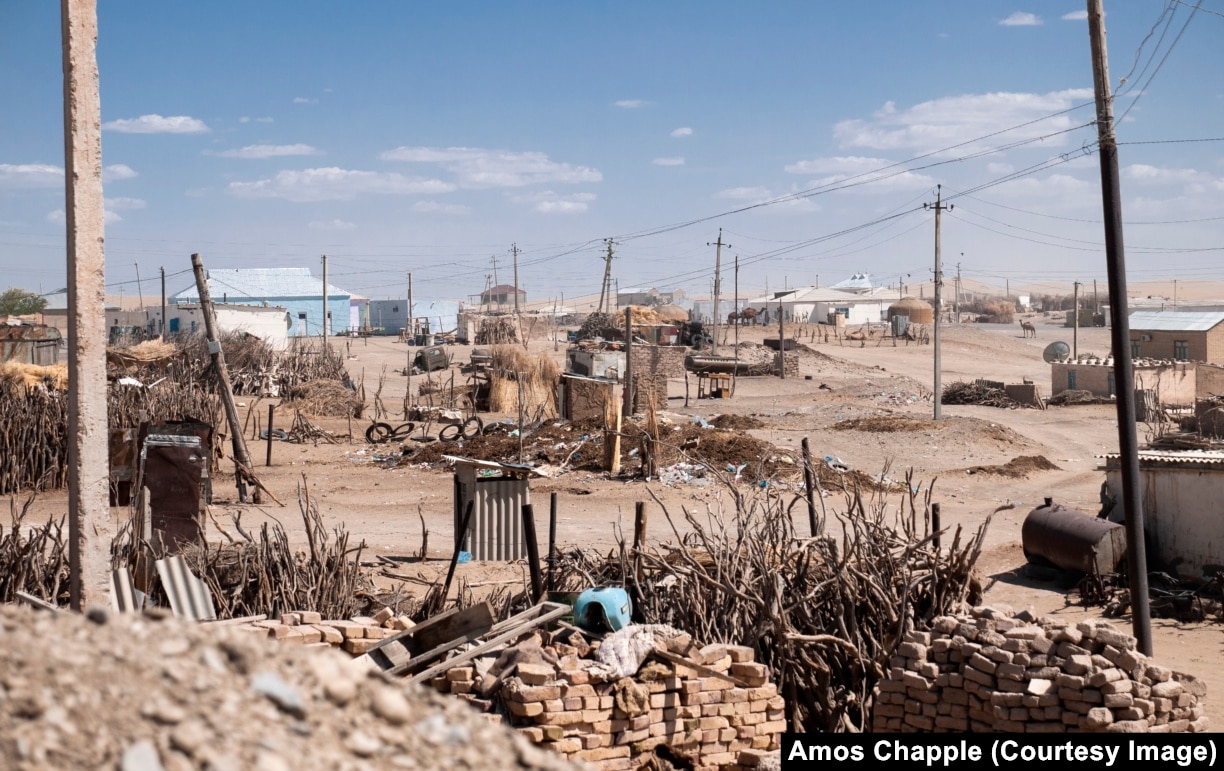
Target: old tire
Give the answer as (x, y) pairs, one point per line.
(378, 433)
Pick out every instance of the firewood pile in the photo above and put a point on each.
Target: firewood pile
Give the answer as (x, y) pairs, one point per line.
(496, 330)
(1076, 396)
(33, 440)
(33, 558)
(824, 613)
(974, 393)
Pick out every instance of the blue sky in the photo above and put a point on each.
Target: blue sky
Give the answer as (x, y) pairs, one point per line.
(430, 138)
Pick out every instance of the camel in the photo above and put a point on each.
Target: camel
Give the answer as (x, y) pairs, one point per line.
(747, 315)
(1028, 329)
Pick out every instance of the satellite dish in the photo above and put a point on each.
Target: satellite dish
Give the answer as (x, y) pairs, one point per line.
(1056, 351)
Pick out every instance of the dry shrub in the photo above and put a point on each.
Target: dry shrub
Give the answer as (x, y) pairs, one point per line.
(537, 375)
(326, 398)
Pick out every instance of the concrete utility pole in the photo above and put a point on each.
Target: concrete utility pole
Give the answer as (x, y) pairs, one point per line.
(1124, 375)
(607, 278)
(495, 284)
(1075, 327)
(958, 290)
(325, 324)
(408, 332)
(90, 529)
(718, 245)
(938, 208)
(514, 251)
(163, 312)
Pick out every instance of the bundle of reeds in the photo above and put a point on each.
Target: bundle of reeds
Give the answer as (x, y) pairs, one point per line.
(16, 377)
(519, 378)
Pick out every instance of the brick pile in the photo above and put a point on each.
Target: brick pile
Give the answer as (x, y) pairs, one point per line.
(354, 636)
(790, 363)
(574, 708)
(991, 671)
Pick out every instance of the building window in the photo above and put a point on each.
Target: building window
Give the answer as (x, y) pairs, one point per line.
(1135, 349)
(1181, 350)
(1071, 380)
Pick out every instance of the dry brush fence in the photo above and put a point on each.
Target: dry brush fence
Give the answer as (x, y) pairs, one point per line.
(825, 613)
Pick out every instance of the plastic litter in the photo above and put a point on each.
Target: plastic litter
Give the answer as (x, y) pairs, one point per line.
(464, 557)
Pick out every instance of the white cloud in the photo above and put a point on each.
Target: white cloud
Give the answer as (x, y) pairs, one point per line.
(548, 202)
(673, 161)
(1021, 19)
(745, 194)
(475, 167)
(263, 120)
(244, 119)
(157, 124)
(878, 171)
(849, 164)
(330, 225)
(304, 100)
(1192, 180)
(1000, 168)
(630, 104)
(957, 119)
(1075, 16)
(434, 207)
(58, 217)
(269, 151)
(334, 184)
(118, 204)
(117, 171)
(30, 175)
(684, 131)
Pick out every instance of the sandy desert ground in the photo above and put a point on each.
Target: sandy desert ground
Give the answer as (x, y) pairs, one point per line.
(385, 507)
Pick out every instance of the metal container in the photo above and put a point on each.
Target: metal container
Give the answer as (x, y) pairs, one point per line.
(900, 325)
(1072, 540)
(496, 529)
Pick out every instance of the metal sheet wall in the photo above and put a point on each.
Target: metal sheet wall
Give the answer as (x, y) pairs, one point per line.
(496, 530)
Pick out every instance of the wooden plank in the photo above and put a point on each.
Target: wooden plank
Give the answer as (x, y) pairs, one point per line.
(441, 632)
(548, 611)
(36, 602)
(478, 617)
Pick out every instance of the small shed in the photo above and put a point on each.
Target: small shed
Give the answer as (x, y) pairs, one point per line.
(498, 492)
(29, 343)
(918, 311)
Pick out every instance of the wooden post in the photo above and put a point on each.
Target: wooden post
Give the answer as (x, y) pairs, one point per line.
(781, 343)
(612, 426)
(552, 541)
(935, 523)
(90, 529)
(242, 460)
(533, 552)
(271, 409)
(460, 539)
(809, 482)
(639, 524)
(627, 409)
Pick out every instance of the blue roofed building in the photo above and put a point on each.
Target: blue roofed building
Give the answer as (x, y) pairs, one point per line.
(294, 289)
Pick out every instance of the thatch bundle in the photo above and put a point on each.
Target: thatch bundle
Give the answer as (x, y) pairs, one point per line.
(17, 377)
(536, 375)
(326, 398)
(142, 354)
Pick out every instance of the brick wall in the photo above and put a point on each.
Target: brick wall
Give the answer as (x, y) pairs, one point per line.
(666, 360)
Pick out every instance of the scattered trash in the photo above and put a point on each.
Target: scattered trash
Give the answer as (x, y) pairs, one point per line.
(837, 464)
(464, 557)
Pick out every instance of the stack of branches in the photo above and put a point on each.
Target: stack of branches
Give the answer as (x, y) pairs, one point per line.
(826, 613)
(35, 562)
(1075, 396)
(516, 375)
(325, 398)
(962, 392)
(602, 325)
(166, 401)
(33, 440)
(264, 574)
(496, 330)
(304, 431)
(254, 367)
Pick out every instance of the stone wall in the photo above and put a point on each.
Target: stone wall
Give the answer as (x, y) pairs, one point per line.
(791, 363)
(666, 360)
(991, 672)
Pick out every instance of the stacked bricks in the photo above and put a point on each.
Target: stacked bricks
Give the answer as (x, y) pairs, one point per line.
(651, 366)
(355, 636)
(574, 709)
(994, 672)
(790, 363)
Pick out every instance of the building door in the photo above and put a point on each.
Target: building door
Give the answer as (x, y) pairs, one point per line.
(174, 325)
(301, 325)
(1071, 379)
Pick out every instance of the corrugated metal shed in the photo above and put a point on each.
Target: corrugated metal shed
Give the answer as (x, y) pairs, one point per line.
(1174, 321)
(29, 344)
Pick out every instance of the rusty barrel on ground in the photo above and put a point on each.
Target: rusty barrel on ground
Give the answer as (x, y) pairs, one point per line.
(1072, 540)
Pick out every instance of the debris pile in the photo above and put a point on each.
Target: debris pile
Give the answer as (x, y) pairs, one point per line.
(974, 393)
(991, 671)
(325, 398)
(1076, 396)
(138, 693)
(887, 424)
(1017, 467)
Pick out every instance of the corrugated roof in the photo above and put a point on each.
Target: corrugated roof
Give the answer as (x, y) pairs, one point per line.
(1175, 457)
(260, 283)
(828, 295)
(1175, 321)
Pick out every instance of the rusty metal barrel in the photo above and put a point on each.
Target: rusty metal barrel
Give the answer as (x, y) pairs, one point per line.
(1072, 540)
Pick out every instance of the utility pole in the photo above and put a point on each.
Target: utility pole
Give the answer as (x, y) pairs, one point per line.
(163, 313)
(1124, 375)
(1075, 327)
(938, 207)
(607, 278)
(1096, 301)
(89, 521)
(408, 332)
(495, 284)
(958, 290)
(325, 324)
(717, 284)
(514, 252)
(1174, 292)
(140, 287)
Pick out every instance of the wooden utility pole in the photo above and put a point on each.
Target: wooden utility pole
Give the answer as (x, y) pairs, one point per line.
(90, 530)
(1124, 376)
(514, 252)
(627, 409)
(781, 342)
(938, 207)
(243, 469)
(738, 322)
(718, 245)
(325, 324)
(409, 330)
(958, 291)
